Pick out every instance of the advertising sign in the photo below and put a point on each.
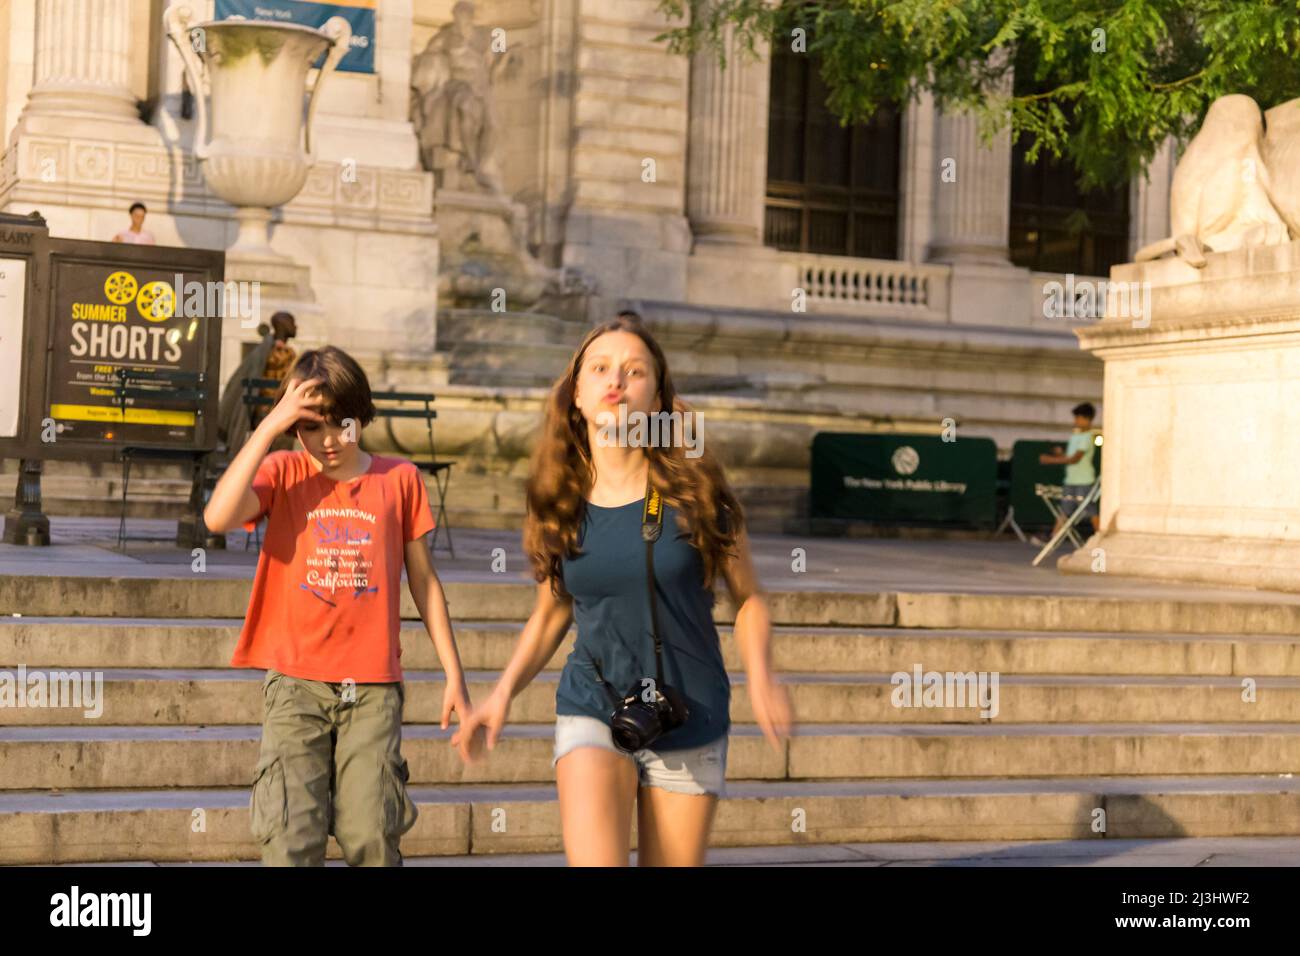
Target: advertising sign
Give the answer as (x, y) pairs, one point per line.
(83, 312)
(108, 317)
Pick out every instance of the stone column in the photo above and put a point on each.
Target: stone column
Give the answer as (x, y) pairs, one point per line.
(82, 63)
(726, 178)
(1149, 200)
(918, 182)
(972, 213)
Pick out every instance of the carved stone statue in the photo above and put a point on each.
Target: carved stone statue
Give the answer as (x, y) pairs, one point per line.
(484, 255)
(1235, 185)
(452, 104)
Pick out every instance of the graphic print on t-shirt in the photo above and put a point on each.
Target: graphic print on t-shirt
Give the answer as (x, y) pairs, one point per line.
(325, 603)
(341, 560)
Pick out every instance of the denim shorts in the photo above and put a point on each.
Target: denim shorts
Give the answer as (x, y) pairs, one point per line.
(696, 770)
(1072, 496)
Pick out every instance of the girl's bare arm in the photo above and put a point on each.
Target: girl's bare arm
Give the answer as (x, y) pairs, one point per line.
(541, 638)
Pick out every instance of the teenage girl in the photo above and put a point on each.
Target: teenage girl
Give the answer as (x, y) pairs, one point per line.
(587, 501)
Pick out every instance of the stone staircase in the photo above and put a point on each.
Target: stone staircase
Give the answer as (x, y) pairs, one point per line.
(1125, 713)
(475, 498)
(505, 349)
(767, 382)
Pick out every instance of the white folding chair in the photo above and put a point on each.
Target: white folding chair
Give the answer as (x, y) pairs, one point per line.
(1051, 494)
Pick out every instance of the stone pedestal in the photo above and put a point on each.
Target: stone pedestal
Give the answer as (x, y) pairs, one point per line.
(1202, 406)
(484, 250)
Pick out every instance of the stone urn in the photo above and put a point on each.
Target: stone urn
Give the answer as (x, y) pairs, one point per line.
(253, 135)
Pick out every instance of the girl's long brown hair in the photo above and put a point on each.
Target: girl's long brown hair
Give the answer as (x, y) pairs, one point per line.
(561, 476)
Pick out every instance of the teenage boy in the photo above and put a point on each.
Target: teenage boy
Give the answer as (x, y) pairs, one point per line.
(1079, 459)
(323, 619)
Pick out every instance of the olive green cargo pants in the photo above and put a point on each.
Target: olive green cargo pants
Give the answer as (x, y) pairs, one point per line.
(330, 763)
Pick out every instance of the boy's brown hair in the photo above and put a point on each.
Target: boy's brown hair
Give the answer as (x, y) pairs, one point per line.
(344, 388)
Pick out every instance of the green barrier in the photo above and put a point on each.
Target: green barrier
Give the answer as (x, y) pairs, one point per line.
(1026, 473)
(904, 478)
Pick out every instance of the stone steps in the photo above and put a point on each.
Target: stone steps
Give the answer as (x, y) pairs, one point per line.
(187, 595)
(468, 819)
(96, 757)
(484, 325)
(141, 697)
(1129, 705)
(1114, 852)
(85, 495)
(505, 349)
(504, 364)
(185, 643)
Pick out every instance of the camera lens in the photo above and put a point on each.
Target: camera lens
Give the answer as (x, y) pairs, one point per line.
(635, 726)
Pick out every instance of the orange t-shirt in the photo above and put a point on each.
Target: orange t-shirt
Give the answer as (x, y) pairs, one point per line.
(326, 598)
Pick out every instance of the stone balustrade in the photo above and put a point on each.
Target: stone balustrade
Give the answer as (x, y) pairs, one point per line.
(883, 287)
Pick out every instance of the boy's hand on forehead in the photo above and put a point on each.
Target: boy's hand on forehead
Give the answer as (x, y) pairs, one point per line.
(300, 403)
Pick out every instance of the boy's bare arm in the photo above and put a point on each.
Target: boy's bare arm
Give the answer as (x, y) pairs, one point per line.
(431, 602)
(1060, 458)
(233, 501)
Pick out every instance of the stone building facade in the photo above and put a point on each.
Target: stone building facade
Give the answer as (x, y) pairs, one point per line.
(794, 292)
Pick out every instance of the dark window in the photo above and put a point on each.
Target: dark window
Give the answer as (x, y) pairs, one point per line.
(1055, 227)
(830, 189)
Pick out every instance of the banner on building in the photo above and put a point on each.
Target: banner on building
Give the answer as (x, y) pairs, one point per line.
(360, 14)
(917, 479)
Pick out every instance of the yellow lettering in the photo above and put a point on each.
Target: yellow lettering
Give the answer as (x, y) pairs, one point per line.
(98, 312)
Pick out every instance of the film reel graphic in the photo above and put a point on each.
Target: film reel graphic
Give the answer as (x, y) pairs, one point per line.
(156, 301)
(120, 288)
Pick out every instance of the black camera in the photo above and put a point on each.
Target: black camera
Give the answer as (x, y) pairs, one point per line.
(646, 712)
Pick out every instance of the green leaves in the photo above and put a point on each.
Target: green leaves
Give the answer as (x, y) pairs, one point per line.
(1101, 83)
